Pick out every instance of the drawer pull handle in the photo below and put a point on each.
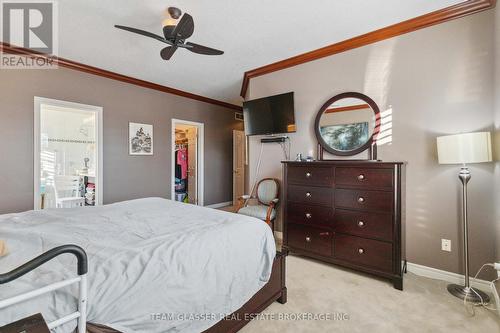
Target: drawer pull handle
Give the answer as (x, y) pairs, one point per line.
(308, 175)
(308, 194)
(361, 200)
(308, 239)
(308, 216)
(324, 234)
(361, 224)
(361, 250)
(361, 177)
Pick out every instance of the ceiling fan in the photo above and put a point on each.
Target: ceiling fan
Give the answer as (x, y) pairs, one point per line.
(175, 33)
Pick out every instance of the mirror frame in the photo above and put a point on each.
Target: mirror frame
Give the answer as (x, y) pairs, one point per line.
(332, 100)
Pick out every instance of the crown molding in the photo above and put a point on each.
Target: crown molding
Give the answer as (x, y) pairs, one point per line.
(440, 16)
(7, 48)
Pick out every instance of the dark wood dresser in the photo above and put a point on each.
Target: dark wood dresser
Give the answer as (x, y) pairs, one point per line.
(347, 213)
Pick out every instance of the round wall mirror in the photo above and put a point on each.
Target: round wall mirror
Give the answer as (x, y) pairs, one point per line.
(347, 124)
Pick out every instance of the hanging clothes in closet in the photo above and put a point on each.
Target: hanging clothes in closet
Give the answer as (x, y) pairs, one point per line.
(181, 174)
(182, 161)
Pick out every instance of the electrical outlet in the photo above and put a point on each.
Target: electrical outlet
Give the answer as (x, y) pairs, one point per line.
(446, 245)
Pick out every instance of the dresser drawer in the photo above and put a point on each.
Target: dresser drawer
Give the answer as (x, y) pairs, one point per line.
(371, 225)
(321, 176)
(319, 241)
(366, 252)
(379, 201)
(306, 214)
(296, 236)
(310, 195)
(314, 240)
(365, 177)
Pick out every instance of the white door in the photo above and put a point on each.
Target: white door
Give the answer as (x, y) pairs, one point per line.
(192, 135)
(238, 165)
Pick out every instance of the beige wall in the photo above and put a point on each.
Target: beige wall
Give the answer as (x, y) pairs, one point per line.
(125, 177)
(434, 81)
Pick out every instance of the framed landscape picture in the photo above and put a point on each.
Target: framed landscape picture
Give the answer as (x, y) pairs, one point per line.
(140, 139)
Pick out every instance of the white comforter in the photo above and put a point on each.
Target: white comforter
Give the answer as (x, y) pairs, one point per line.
(154, 265)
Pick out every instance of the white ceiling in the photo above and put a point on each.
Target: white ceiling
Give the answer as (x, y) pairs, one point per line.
(252, 34)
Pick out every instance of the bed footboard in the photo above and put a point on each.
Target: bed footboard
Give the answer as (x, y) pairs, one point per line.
(81, 313)
(274, 290)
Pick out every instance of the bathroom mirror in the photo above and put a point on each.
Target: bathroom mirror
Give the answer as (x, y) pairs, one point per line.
(347, 124)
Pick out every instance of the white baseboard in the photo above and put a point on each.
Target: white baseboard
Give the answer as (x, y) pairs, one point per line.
(220, 205)
(438, 274)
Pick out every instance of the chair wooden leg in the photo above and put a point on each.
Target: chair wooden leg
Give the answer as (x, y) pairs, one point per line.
(240, 205)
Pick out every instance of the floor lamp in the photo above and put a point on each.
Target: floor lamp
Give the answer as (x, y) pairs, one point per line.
(465, 149)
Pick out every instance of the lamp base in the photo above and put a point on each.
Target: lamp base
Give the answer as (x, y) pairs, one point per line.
(470, 294)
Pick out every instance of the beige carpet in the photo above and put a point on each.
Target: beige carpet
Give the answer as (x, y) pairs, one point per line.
(230, 209)
(372, 304)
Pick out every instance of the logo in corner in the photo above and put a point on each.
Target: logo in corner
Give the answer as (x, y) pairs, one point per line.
(29, 25)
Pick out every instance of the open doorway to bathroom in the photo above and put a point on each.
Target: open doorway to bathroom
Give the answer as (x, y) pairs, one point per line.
(187, 162)
(67, 155)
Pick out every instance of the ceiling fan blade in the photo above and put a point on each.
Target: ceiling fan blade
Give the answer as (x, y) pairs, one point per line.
(184, 28)
(143, 33)
(200, 49)
(168, 52)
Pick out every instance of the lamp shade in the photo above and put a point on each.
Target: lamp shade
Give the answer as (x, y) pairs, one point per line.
(464, 148)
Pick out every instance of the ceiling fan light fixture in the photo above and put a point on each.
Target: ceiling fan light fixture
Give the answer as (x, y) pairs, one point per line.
(169, 22)
(172, 16)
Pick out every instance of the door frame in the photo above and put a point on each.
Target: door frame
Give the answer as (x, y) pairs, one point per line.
(235, 200)
(97, 110)
(200, 159)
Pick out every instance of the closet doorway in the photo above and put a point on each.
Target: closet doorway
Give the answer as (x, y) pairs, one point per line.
(187, 161)
(67, 154)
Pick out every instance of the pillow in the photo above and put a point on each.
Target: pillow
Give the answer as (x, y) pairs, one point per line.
(3, 248)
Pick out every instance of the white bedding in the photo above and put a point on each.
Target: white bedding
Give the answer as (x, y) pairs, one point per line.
(147, 256)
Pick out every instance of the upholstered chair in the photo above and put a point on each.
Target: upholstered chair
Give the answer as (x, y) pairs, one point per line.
(267, 196)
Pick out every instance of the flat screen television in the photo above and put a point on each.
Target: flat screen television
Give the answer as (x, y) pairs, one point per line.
(270, 115)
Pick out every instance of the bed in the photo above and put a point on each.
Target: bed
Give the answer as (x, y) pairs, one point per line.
(155, 265)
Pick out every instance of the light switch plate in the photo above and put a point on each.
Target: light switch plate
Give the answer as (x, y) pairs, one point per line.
(446, 245)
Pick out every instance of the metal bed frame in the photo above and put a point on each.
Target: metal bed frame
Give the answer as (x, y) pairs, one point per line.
(81, 313)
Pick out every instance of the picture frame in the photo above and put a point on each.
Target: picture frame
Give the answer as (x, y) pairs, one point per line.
(140, 139)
